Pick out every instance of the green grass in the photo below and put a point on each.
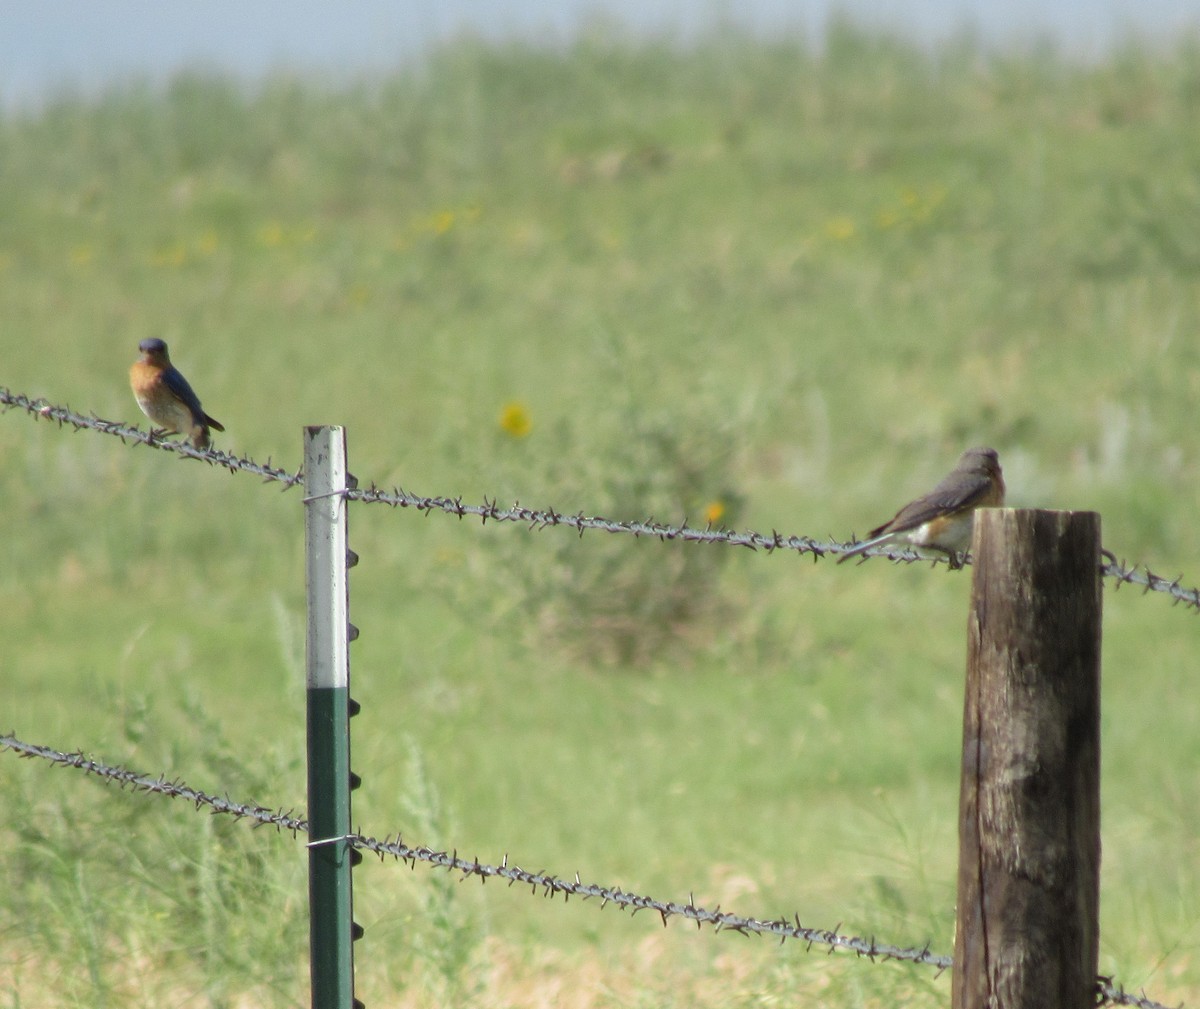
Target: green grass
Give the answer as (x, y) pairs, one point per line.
(813, 278)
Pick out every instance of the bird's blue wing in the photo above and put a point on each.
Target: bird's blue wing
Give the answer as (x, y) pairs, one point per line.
(182, 391)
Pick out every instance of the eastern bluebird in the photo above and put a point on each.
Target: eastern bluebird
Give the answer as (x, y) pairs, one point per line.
(165, 396)
(944, 518)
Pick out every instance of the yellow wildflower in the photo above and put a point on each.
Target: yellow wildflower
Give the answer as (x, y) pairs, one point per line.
(515, 420)
(271, 234)
(841, 228)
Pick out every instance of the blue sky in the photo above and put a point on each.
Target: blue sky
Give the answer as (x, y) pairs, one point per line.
(83, 44)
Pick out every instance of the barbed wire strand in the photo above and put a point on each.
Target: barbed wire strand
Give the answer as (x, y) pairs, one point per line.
(63, 416)
(539, 882)
(537, 519)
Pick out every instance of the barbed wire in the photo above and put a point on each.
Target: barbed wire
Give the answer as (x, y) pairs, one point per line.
(1140, 574)
(580, 522)
(161, 785)
(538, 519)
(1110, 994)
(64, 416)
(540, 882)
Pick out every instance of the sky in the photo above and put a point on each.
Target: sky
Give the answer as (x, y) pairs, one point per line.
(50, 45)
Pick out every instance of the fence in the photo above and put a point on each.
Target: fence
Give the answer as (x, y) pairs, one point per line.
(333, 847)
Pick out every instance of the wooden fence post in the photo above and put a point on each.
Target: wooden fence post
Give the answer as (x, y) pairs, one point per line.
(1029, 816)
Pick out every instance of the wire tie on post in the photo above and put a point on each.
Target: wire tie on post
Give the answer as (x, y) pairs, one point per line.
(330, 493)
(328, 840)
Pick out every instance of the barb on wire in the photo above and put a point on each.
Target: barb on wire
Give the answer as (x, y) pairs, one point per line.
(41, 409)
(1107, 994)
(541, 882)
(536, 519)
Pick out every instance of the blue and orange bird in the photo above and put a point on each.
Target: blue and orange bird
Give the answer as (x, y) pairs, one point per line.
(944, 518)
(165, 396)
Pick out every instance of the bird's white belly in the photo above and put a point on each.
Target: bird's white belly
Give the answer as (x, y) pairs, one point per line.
(951, 532)
(171, 414)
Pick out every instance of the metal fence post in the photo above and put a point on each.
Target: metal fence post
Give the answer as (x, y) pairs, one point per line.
(331, 923)
(1028, 933)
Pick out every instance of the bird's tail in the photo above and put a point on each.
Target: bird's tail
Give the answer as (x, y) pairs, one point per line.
(860, 548)
(216, 425)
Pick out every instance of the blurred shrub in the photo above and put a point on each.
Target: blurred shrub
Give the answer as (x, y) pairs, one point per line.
(613, 598)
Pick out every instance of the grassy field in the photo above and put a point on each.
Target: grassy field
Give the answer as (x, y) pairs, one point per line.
(738, 280)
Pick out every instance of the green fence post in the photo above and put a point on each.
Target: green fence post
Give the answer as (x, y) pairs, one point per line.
(331, 922)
